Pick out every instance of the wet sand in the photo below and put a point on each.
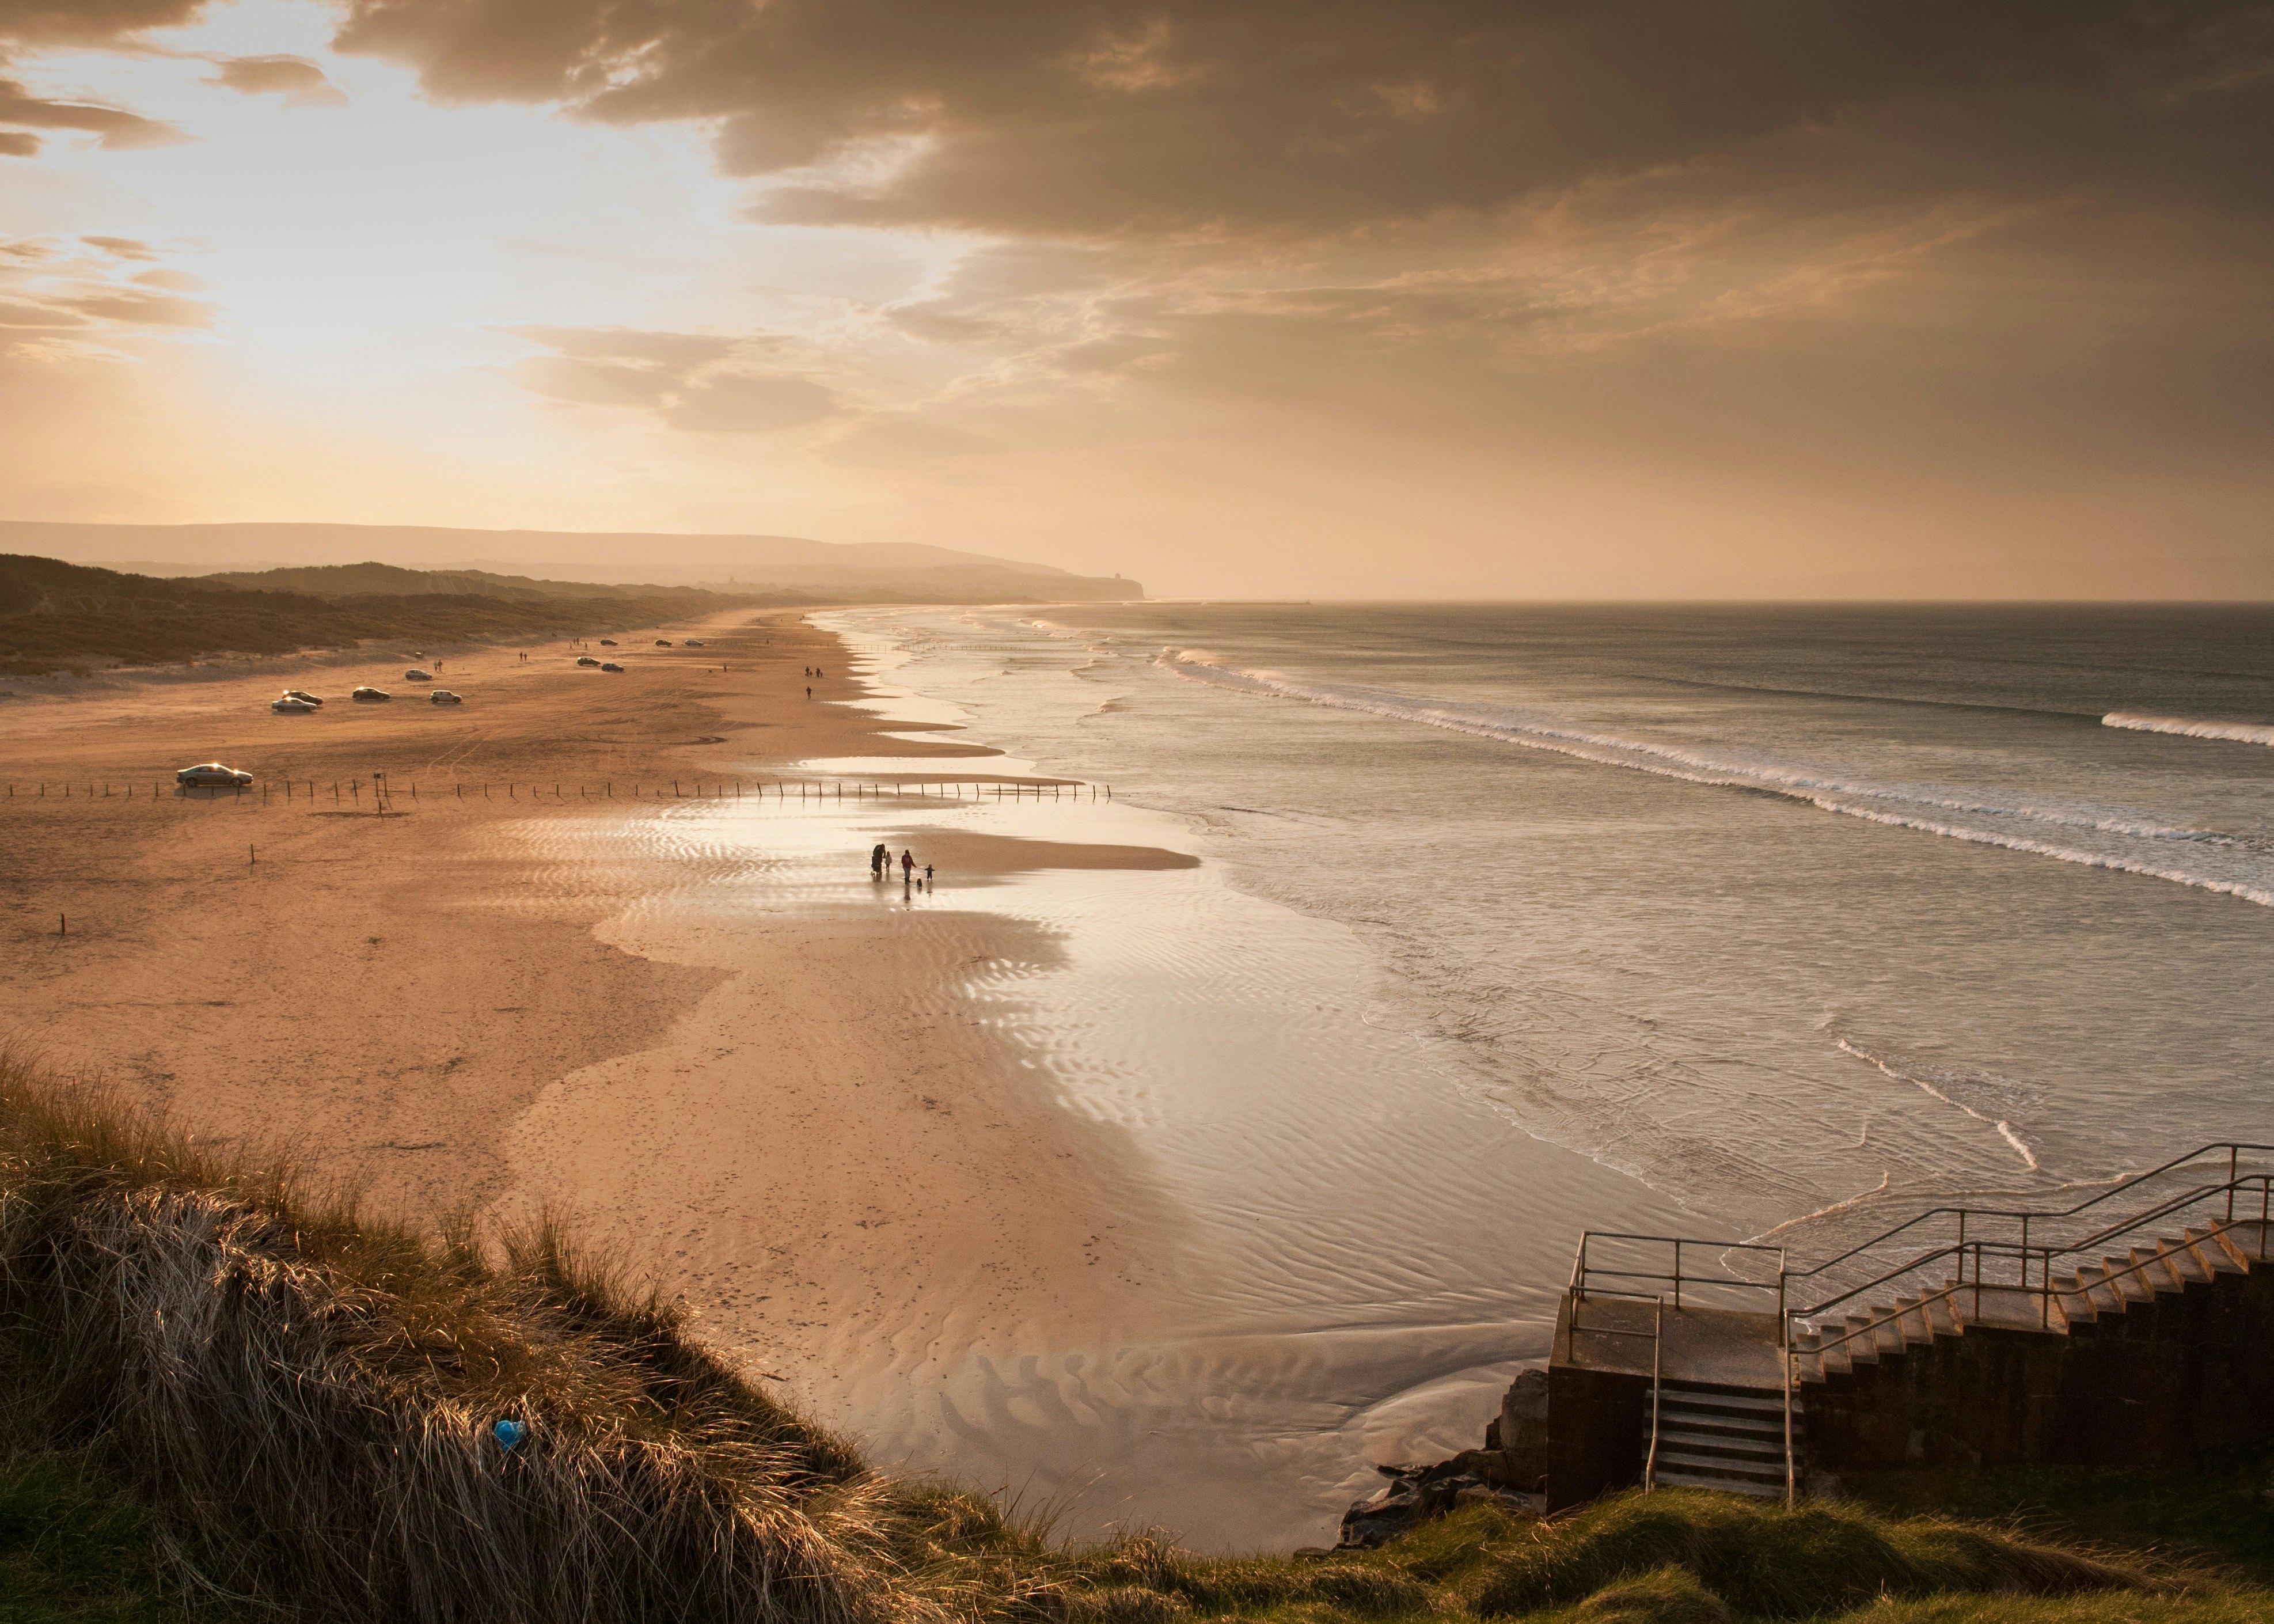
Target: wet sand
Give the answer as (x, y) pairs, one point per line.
(1080, 1178)
(427, 1005)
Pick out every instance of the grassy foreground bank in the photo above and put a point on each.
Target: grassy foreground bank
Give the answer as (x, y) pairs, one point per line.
(226, 1398)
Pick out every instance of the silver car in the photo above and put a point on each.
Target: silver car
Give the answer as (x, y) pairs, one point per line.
(444, 697)
(290, 704)
(416, 675)
(212, 775)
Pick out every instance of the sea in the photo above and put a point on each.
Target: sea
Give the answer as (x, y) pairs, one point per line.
(1749, 921)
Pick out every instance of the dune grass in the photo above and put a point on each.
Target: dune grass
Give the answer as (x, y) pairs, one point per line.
(59, 617)
(224, 1393)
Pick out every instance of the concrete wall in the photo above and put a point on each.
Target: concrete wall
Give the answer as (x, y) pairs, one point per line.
(2192, 1370)
(1595, 1432)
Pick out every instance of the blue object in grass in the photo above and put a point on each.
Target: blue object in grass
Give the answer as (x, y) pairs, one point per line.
(509, 1432)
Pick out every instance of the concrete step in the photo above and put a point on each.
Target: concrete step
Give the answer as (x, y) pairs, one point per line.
(1721, 1466)
(2219, 1248)
(1733, 1453)
(1942, 1314)
(2126, 1281)
(2153, 1270)
(1733, 1435)
(2185, 1268)
(1753, 1400)
(1728, 1485)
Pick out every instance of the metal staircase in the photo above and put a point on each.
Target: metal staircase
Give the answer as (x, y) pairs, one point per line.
(2057, 1272)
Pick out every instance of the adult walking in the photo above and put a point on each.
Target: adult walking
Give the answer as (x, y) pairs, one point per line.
(877, 858)
(907, 866)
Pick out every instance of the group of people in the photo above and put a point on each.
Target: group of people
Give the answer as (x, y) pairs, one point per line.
(880, 864)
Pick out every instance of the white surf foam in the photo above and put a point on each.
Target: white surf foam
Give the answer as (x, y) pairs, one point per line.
(1878, 803)
(2240, 732)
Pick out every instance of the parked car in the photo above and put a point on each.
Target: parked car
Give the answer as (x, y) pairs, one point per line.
(290, 704)
(610, 665)
(303, 695)
(416, 675)
(663, 642)
(210, 775)
(586, 659)
(370, 695)
(608, 643)
(444, 697)
(694, 642)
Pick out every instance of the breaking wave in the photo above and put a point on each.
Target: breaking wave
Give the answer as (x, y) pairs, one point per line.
(2240, 732)
(2061, 833)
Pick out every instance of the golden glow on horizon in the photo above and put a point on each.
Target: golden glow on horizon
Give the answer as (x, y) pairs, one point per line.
(310, 289)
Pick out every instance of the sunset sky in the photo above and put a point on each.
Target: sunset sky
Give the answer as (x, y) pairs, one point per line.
(1392, 296)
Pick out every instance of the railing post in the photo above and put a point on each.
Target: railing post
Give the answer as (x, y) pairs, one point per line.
(1677, 1273)
(1791, 1379)
(2232, 1154)
(1657, 1373)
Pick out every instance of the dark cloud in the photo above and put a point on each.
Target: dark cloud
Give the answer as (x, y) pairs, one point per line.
(114, 127)
(18, 144)
(300, 81)
(1039, 117)
(89, 22)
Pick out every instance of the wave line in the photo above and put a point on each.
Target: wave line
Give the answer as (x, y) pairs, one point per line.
(2187, 727)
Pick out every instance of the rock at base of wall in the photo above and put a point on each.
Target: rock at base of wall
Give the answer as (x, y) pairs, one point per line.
(1511, 1470)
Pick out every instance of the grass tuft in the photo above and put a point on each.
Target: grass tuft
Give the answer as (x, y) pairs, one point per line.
(1767, 1561)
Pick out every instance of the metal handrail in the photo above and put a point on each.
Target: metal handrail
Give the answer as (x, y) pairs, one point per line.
(1583, 1272)
(2023, 1253)
(2233, 1150)
(1657, 1334)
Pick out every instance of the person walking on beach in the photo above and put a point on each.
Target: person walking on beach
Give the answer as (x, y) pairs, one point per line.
(877, 858)
(927, 876)
(907, 866)
(808, 690)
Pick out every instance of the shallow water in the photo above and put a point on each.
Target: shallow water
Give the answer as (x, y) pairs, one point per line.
(1771, 908)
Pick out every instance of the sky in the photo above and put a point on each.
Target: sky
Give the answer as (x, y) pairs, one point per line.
(1525, 298)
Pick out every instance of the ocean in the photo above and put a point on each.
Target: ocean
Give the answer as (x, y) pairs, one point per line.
(1515, 920)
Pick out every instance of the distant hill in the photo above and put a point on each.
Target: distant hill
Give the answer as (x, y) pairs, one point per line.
(791, 567)
(55, 616)
(390, 580)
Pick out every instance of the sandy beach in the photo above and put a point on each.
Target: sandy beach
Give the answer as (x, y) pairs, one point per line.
(485, 1001)
(1000, 1176)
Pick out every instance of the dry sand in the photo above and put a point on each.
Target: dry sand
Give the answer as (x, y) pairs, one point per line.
(795, 1122)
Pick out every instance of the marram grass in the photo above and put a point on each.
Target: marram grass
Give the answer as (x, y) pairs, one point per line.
(298, 1402)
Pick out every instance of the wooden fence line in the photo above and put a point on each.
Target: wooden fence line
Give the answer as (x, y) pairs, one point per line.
(351, 791)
